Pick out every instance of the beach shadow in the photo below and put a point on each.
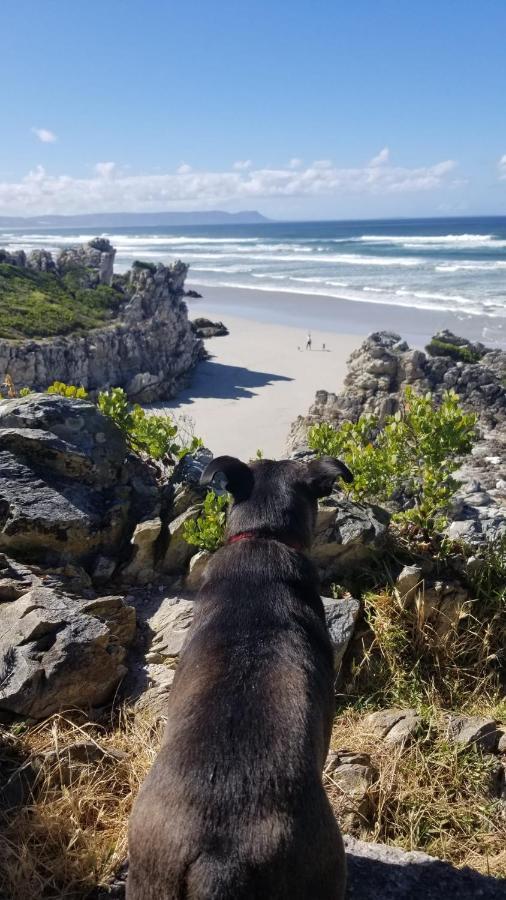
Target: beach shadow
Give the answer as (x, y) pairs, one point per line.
(213, 379)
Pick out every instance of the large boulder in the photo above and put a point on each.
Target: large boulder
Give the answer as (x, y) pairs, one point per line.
(69, 489)
(59, 650)
(346, 535)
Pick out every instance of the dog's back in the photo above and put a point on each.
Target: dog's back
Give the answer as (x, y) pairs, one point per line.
(234, 808)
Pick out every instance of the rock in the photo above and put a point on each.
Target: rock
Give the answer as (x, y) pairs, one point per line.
(194, 295)
(15, 579)
(198, 565)
(95, 259)
(408, 581)
(378, 373)
(479, 731)
(140, 569)
(352, 774)
(59, 651)
(179, 552)
(169, 626)
(204, 328)
(394, 726)
(154, 687)
(380, 872)
(148, 348)
(501, 745)
(341, 616)
(69, 490)
(346, 535)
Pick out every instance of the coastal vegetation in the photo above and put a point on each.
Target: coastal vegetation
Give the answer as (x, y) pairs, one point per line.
(410, 458)
(42, 304)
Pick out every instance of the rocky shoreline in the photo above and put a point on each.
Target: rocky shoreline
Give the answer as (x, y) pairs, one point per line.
(149, 348)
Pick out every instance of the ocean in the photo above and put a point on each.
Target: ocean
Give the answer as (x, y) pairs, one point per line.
(456, 265)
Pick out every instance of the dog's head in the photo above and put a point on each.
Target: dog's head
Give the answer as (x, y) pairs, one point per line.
(275, 498)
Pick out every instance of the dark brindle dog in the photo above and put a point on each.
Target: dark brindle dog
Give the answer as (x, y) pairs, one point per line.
(234, 807)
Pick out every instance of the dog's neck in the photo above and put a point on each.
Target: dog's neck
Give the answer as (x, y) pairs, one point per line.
(260, 535)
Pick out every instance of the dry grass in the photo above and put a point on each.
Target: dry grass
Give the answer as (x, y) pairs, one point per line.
(71, 836)
(429, 796)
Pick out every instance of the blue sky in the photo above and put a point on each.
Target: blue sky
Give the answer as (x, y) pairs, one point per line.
(299, 109)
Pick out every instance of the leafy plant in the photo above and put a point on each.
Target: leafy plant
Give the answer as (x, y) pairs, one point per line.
(458, 352)
(25, 392)
(154, 435)
(412, 456)
(207, 531)
(66, 390)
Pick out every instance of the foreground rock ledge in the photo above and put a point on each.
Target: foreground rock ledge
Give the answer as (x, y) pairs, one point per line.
(378, 872)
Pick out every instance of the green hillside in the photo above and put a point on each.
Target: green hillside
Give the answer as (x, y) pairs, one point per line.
(40, 304)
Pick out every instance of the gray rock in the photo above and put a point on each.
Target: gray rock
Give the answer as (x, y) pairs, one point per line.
(69, 491)
(346, 535)
(501, 745)
(352, 774)
(380, 872)
(197, 568)
(394, 726)
(179, 552)
(140, 569)
(341, 616)
(474, 730)
(59, 651)
(169, 626)
(408, 581)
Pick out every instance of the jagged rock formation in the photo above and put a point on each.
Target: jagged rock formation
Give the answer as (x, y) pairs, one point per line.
(378, 373)
(69, 491)
(149, 348)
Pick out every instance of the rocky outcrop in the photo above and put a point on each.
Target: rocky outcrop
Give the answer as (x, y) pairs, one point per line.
(378, 373)
(204, 328)
(149, 349)
(69, 490)
(59, 650)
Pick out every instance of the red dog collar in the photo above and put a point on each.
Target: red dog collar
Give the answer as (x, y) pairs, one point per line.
(258, 536)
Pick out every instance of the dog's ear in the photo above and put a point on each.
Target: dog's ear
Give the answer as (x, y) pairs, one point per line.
(235, 476)
(324, 472)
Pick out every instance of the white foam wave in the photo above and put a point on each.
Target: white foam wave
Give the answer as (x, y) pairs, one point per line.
(484, 266)
(456, 240)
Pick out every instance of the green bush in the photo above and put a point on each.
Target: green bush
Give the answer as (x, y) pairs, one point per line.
(413, 455)
(65, 390)
(151, 434)
(207, 532)
(460, 353)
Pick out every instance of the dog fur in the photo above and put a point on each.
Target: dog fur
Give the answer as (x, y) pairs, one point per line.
(234, 807)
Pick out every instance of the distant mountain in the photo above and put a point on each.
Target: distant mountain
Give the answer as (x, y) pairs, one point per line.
(133, 220)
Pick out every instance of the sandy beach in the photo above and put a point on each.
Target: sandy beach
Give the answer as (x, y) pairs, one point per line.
(258, 379)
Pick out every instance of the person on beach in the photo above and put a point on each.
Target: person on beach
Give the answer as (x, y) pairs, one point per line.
(309, 341)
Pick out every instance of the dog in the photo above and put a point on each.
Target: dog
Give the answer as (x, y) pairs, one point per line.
(234, 807)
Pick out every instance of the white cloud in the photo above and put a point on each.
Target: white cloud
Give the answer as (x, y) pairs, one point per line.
(112, 189)
(501, 165)
(382, 158)
(105, 169)
(295, 163)
(242, 165)
(44, 135)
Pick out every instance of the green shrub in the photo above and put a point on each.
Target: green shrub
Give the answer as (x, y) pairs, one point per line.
(65, 390)
(460, 353)
(154, 435)
(413, 455)
(25, 392)
(207, 532)
(142, 264)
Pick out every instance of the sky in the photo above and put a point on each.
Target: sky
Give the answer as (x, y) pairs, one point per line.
(301, 110)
